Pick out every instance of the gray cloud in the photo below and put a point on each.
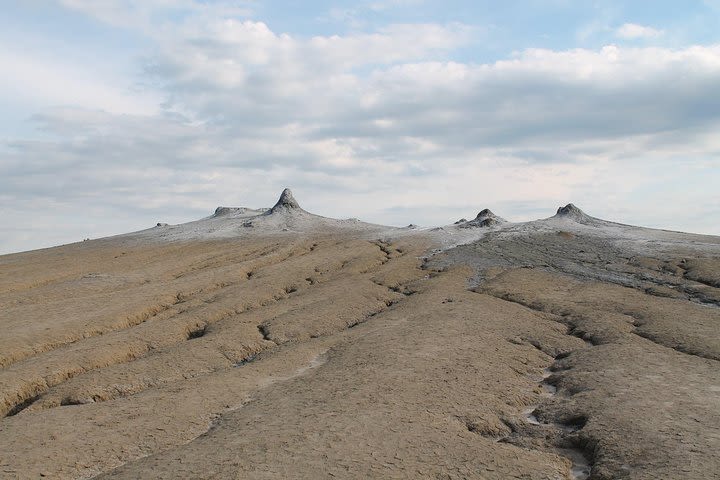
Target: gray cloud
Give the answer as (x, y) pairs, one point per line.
(379, 115)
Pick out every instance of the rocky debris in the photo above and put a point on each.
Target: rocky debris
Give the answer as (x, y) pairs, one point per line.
(485, 218)
(412, 226)
(286, 203)
(160, 224)
(462, 220)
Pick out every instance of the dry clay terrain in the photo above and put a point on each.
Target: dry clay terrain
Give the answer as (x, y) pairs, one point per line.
(534, 352)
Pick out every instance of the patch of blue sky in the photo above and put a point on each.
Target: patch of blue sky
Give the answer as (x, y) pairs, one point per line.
(61, 30)
(43, 37)
(501, 28)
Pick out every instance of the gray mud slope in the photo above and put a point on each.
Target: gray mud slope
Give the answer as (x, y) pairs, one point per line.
(671, 272)
(644, 400)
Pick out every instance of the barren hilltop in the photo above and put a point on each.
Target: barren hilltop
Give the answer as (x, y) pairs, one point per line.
(275, 343)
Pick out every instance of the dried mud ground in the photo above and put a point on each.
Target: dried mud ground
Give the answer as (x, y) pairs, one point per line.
(550, 356)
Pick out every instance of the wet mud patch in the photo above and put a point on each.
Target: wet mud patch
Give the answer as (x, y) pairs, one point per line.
(22, 405)
(581, 468)
(245, 361)
(70, 401)
(589, 339)
(553, 433)
(197, 332)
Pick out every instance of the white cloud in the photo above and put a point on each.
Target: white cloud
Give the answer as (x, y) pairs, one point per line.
(150, 15)
(382, 115)
(41, 81)
(633, 31)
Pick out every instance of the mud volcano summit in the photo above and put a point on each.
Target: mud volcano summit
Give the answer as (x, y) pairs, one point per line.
(275, 343)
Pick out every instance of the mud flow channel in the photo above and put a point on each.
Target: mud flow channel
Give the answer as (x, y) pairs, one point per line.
(581, 468)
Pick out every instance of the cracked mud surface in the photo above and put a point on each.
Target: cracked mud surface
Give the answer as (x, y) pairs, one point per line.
(642, 400)
(338, 356)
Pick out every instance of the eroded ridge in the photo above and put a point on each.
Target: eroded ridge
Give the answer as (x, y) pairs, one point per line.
(299, 286)
(646, 350)
(296, 346)
(302, 292)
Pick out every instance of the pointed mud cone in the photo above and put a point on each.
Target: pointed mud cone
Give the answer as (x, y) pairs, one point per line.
(286, 202)
(574, 213)
(486, 214)
(569, 210)
(485, 218)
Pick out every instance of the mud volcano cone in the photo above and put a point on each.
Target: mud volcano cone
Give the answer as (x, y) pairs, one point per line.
(572, 212)
(286, 203)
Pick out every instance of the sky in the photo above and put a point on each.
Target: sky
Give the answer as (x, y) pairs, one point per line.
(118, 114)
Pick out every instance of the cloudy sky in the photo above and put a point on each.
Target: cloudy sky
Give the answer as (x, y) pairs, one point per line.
(117, 114)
